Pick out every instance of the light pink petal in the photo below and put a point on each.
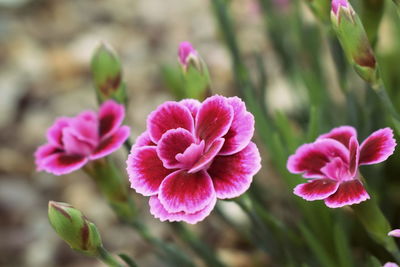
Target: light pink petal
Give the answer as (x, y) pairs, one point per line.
(213, 119)
(192, 104)
(85, 127)
(54, 133)
(184, 51)
(310, 158)
(395, 233)
(111, 143)
(354, 149)
(143, 140)
(187, 192)
(348, 193)
(170, 115)
(62, 163)
(145, 170)
(73, 145)
(377, 147)
(158, 211)
(233, 174)
(241, 130)
(43, 152)
(205, 160)
(172, 143)
(390, 264)
(111, 115)
(341, 134)
(337, 170)
(191, 155)
(316, 189)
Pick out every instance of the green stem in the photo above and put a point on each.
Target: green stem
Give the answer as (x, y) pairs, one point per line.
(107, 258)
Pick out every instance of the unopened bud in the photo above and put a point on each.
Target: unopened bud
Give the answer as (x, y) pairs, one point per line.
(187, 56)
(74, 228)
(107, 75)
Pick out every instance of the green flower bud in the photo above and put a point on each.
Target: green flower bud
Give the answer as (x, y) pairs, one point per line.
(74, 228)
(107, 75)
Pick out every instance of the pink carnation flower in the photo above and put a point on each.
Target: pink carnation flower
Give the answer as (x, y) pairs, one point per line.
(193, 153)
(72, 142)
(394, 233)
(332, 161)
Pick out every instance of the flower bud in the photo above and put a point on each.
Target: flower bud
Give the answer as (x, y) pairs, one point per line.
(187, 56)
(74, 228)
(107, 75)
(354, 40)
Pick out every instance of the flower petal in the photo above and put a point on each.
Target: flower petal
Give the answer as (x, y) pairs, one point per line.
(241, 130)
(172, 143)
(187, 192)
(43, 152)
(111, 115)
(62, 163)
(170, 115)
(192, 104)
(158, 211)
(85, 127)
(354, 149)
(111, 143)
(205, 160)
(145, 170)
(377, 147)
(54, 133)
(348, 193)
(214, 119)
(390, 264)
(73, 145)
(310, 158)
(233, 174)
(191, 155)
(341, 134)
(394, 233)
(316, 189)
(143, 140)
(337, 170)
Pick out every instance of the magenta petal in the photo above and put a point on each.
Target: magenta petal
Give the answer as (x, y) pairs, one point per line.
(337, 170)
(111, 115)
(213, 119)
(316, 189)
(394, 233)
(354, 150)
(192, 104)
(241, 130)
(233, 174)
(143, 140)
(73, 145)
(205, 160)
(390, 264)
(310, 158)
(170, 115)
(85, 127)
(377, 147)
(62, 163)
(172, 143)
(43, 152)
(191, 155)
(145, 170)
(54, 133)
(187, 192)
(348, 193)
(111, 143)
(341, 134)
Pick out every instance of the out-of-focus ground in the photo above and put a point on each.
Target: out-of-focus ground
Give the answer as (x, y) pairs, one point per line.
(45, 50)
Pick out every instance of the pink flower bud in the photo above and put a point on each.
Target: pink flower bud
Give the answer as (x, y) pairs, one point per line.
(336, 4)
(185, 53)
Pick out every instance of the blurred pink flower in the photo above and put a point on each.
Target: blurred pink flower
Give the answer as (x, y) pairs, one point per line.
(72, 142)
(193, 153)
(390, 264)
(332, 162)
(395, 233)
(185, 53)
(336, 4)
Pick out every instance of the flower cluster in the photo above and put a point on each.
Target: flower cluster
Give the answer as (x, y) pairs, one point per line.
(331, 163)
(193, 153)
(72, 142)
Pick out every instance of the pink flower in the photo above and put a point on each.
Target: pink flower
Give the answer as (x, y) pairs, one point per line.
(186, 52)
(332, 161)
(72, 142)
(390, 264)
(193, 153)
(336, 4)
(394, 233)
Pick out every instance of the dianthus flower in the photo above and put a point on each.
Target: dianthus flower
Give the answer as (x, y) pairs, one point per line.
(331, 163)
(394, 233)
(193, 153)
(72, 142)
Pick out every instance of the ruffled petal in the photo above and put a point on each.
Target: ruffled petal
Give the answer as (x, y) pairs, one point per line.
(54, 133)
(85, 127)
(310, 158)
(43, 152)
(111, 115)
(187, 192)
(111, 143)
(159, 212)
(191, 155)
(233, 174)
(343, 134)
(214, 119)
(348, 193)
(172, 143)
(192, 104)
(354, 149)
(316, 189)
(394, 233)
(241, 130)
(337, 170)
(170, 115)
(62, 163)
(143, 140)
(145, 170)
(205, 160)
(73, 145)
(377, 147)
